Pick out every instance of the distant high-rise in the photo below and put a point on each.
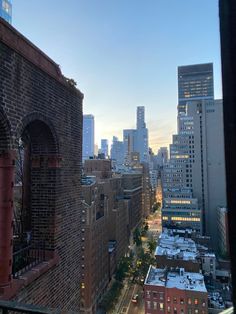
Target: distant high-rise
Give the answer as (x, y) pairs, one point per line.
(141, 117)
(104, 147)
(141, 143)
(6, 10)
(117, 151)
(195, 82)
(88, 136)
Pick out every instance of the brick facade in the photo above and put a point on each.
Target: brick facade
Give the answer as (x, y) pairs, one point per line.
(43, 108)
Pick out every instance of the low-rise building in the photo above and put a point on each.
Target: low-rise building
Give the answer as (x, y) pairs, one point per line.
(174, 291)
(175, 251)
(182, 251)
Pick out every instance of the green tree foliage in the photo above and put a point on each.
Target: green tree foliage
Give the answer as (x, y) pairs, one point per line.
(151, 245)
(110, 298)
(137, 237)
(123, 267)
(140, 269)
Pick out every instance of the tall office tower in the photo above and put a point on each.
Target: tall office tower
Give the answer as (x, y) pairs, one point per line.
(141, 141)
(117, 151)
(6, 10)
(136, 140)
(104, 147)
(88, 136)
(194, 82)
(141, 117)
(129, 137)
(208, 161)
(197, 160)
(162, 156)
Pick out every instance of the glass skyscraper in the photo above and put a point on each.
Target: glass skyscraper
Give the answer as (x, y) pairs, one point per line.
(195, 82)
(6, 10)
(88, 136)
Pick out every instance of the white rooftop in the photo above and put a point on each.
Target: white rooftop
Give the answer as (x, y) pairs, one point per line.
(175, 279)
(176, 247)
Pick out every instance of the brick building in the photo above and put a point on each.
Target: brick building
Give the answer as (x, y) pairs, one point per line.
(95, 255)
(100, 168)
(105, 229)
(174, 291)
(132, 184)
(41, 112)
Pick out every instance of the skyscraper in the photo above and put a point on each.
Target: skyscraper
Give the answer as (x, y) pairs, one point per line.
(6, 10)
(117, 151)
(141, 117)
(195, 82)
(88, 136)
(104, 147)
(141, 143)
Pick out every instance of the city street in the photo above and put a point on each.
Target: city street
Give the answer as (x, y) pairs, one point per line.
(126, 306)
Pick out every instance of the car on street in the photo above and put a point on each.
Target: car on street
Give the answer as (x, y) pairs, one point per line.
(134, 298)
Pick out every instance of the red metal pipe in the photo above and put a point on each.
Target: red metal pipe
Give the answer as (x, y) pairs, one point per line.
(7, 161)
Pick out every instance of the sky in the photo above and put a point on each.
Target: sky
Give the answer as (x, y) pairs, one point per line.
(124, 54)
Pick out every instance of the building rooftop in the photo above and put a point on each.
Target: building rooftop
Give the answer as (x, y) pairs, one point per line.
(176, 247)
(175, 279)
(88, 180)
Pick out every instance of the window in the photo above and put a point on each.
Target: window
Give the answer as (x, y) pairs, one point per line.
(175, 310)
(189, 301)
(175, 300)
(161, 306)
(168, 309)
(203, 303)
(154, 305)
(148, 305)
(196, 301)
(182, 311)
(148, 293)
(154, 294)
(181, 301)
(168, 299)
(196, 311)
(161, 296)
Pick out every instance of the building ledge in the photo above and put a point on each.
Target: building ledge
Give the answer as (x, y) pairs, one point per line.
(11, 290)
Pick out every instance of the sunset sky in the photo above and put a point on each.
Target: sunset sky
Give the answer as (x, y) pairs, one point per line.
(125, 53)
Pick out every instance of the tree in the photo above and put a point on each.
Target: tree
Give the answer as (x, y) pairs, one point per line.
(158, 205)
(123, 268)
(137, 237)
(151, 245)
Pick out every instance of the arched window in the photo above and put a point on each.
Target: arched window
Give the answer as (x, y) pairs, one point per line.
(37, 168)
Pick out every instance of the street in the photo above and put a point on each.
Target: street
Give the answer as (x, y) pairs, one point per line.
(126, 306)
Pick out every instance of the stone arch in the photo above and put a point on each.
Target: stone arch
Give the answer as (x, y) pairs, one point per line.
(40, 169)
(36, 116)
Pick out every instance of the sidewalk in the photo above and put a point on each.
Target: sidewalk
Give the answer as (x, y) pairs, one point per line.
(118, 306)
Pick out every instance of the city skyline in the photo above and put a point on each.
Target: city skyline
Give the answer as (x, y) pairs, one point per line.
(122, 60)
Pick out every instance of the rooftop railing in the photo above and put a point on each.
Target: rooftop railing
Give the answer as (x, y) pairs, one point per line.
(27, 257)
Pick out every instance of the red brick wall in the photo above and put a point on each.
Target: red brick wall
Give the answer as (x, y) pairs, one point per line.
(33, 92)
